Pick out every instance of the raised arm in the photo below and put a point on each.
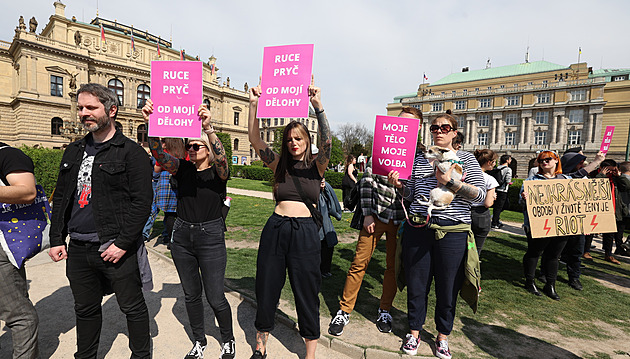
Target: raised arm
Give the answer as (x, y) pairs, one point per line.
(267, 155)
(324, 137)
(168, 162)
(220, 160)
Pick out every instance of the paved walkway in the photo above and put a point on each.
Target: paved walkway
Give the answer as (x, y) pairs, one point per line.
(50, 292)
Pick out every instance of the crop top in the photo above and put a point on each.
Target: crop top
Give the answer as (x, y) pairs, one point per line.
(309, 178)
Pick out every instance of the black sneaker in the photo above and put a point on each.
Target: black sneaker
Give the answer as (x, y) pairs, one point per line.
(196, 352)
(338, 322)
(258, 355)
(228, 350)
(384, 321)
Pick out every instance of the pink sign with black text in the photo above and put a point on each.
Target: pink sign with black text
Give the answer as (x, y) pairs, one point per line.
(394, 148)
(286, 75)
(176, 92)
(607, 139)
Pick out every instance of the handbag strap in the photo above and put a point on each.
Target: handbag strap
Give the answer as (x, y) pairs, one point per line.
(306, 200)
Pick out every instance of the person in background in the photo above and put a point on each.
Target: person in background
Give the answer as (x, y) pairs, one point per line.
(146, 232)
(166, 197)
(349, 179)
(458, 140)
(361, 160)
(624, 169)
(329, 206)
(382, 210)
(620, 184)
(480, 216)
(17, 186)
(502, 190)
(549, 167)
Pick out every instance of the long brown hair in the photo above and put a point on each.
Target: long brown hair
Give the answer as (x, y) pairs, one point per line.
(175, 146)
(284, 162)
(484, 156)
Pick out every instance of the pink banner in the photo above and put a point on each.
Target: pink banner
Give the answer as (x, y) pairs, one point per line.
(177, 92)
(607, 139)
(394, 147)
(286, 75)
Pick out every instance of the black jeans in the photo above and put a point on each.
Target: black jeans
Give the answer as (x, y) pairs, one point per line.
(425, 259)
(195, 247)
(499, 203)
(607, 239)
(480, 224)
(89, 277)
(550, 249)
(326, 257)
(289, 243)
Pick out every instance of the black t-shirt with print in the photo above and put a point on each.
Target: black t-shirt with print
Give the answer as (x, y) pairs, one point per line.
(82, 219)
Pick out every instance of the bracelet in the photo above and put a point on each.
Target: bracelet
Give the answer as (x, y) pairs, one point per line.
(209, 131)
(317, 112)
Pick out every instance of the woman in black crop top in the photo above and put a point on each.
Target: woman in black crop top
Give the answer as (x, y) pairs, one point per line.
(198, 241)
(290, 239)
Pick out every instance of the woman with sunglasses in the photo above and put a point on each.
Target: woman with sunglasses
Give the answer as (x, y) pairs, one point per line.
(290, 239)
(437, 250)
(198, 243)
(549, 167)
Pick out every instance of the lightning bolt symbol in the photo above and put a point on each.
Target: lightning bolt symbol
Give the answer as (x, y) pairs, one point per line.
(547, 226)
(593, 222)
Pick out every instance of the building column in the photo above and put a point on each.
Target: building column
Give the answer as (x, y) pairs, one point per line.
(554, 129)
(497, 128)
(562, 130)
(597, 127)
(588, 136)
(473, 133)
(493, 132)
(470, 129)
(521, 135)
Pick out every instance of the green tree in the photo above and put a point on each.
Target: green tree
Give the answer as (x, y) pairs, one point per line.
(336, 153)
(277, 139)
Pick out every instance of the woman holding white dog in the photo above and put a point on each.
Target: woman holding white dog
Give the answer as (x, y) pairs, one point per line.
(437, 249)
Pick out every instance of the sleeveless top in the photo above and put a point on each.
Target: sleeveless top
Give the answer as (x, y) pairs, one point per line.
(309, 178)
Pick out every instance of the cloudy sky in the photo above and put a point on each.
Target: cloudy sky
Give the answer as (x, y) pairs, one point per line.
(367, 52)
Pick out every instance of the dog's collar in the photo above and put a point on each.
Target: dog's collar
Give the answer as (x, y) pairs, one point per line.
(457, 162)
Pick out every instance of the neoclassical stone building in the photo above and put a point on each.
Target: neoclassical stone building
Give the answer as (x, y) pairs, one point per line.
(519, 109)
(40, 72)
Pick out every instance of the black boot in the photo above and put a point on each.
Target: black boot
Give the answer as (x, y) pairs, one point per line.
(550, 291)
(531, 287)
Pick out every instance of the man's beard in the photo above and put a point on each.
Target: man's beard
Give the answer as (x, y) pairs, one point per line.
(100, 123)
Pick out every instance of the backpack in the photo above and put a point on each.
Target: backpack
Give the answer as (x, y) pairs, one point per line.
(498, 174)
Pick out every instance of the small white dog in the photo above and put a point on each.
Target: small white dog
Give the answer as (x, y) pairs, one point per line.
(441, 197)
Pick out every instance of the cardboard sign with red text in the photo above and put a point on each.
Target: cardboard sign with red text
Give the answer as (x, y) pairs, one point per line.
(394, 148)
(570, 207)
(176, 92)
(286, 75)
(607, 139)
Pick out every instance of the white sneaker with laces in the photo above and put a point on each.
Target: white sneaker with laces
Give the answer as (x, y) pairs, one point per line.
(196, 352)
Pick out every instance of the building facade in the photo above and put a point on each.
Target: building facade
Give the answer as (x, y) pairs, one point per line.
(40, 73)
(520, 109)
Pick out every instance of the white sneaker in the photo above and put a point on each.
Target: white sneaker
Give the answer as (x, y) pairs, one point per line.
(196, 352)
(338, 322)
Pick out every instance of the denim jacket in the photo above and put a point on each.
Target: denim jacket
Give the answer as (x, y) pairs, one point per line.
(121, 191)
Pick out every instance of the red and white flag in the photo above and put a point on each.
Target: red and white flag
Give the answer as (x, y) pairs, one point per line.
(158, 48)
(103, 35)
(181, 55)
(133, 43)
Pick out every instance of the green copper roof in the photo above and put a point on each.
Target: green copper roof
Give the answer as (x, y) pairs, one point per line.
(398, 98)
(608, 72)
(496, 72)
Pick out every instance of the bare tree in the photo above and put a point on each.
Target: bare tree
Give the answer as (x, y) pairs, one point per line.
(355, 136)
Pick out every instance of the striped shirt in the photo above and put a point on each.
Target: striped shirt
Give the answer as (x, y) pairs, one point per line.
(459, 209)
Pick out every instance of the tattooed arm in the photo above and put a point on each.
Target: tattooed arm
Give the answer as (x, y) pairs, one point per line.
(166, 161)
(324, 137)
(267, 155)
(220, 159)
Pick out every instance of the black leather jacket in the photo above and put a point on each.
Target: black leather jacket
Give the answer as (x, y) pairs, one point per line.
(121, 191)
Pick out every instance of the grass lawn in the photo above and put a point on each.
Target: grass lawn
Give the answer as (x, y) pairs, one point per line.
(264, 186)
(505, 307)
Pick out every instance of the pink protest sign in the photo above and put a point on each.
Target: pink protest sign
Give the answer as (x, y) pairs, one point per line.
(286, 75)
(607, 138)
(394, 147)
(176, 91)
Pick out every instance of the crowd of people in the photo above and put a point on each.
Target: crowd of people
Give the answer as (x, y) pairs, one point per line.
(109, 192)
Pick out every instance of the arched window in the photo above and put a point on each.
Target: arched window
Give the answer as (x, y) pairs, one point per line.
(117, 86)
(144, 92)
(142, 134)
(55, 126)
(235, 144)
(119, 126)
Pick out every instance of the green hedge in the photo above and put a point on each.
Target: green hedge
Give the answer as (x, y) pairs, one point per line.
(46, 161)
(226, 140)
(513, 197)
(257, 173)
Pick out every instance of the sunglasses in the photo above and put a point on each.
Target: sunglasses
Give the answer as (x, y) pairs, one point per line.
(445, 128)
(546, 160)
(194, 146)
